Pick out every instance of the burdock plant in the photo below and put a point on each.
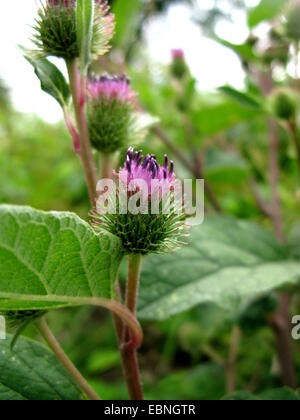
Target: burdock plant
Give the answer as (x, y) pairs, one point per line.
(56, 29)
(100, 112)
(148, 216)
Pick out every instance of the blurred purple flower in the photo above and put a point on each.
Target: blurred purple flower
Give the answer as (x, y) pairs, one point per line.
(60, 2)
(138, 167)
(117, 87)
(177, 53)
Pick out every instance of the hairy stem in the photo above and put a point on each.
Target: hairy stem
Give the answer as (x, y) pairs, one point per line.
(65, 361)
(128, 352)
(281, 320)
(134, 269)
(106, 170)
(281, 328)
(77, 87)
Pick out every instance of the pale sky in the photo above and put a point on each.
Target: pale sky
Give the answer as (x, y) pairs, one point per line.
(211, 64)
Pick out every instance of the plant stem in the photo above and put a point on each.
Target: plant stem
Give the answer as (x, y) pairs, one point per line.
(105, 166)
(232, 359)
(134, 269)
(77, 87)
(65, 361)
(296, 141)
(274, 178)
(281, 324)
(296, 62)
(128, 352)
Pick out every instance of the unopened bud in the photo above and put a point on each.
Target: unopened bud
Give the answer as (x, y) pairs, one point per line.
(283, 104)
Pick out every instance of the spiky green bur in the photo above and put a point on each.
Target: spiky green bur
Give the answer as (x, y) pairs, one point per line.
(283, 104)
(56, 32)
(179, 68)
(111, 114)
(111, 125)
(144, 232)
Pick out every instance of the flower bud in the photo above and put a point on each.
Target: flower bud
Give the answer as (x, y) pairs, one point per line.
(178, 65)
(56, 32)
(155, 227)
(111, 113)
(283, 104)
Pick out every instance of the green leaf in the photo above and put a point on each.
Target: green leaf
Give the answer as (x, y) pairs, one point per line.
(203, 383)
(293, 242)
(265, 10)
(84, 22)
(222, 166)
(226, 262)
(244, 51)
(214, 119)
(53, 259)
(32, 372)
(126, 21)
(241, 97)
(280, 394)
(240, 396)
(52, 80)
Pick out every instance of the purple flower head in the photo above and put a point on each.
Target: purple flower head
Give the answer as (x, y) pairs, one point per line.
(65, 3)
(156, 177)
(177, 53)
(116, 87)
(145, 208)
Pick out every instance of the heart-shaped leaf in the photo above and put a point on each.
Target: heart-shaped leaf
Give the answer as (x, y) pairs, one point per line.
(32, 372)
(53, 259)
(226, 261)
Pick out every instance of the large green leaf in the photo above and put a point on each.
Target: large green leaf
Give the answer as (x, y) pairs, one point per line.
(53, 259)
(226, 261)
(244, 51)
(32, 372)
(241, 97)
(126, 21)
(52, 80)
(213, 119)
(265, 10)
(279, 394)
(84, 25)
(225, 167)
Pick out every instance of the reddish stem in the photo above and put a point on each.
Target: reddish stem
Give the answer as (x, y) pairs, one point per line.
(77, 87)
(128, 351)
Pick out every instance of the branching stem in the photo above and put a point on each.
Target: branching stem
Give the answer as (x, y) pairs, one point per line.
(65, 361)
(77, 87)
